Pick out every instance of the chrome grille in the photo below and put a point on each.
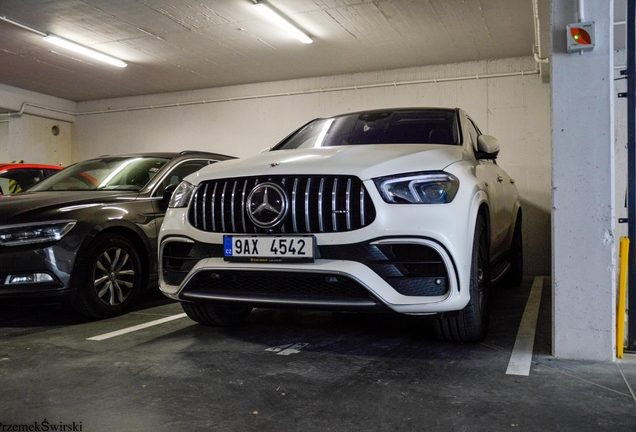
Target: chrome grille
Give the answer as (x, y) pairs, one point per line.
(317, 204)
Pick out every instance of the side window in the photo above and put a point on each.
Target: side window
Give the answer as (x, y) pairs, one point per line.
(16, 181)
(48, 172)
(178, 173)
(4, 184)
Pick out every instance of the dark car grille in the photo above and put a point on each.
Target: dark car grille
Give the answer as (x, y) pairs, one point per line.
(411, 269)
(277, 283)
(178, 258)
(317, 204)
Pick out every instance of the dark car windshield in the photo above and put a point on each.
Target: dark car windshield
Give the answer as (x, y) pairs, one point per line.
(423, 126)
(121, 173)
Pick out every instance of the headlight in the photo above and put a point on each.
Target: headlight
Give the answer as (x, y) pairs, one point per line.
(41, 232)
(436, 187)
(181, 195)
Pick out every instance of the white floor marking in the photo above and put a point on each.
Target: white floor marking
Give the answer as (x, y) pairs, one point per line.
(135, 328)
(288, 349)
(521, 357)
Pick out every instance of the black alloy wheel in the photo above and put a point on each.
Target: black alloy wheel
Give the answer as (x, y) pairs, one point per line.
(110, 277)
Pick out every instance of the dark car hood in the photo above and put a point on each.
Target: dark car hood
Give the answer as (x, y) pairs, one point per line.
(33, 206)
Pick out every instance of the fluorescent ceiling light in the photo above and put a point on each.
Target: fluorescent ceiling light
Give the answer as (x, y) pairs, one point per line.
(64, 43)
(282, 22)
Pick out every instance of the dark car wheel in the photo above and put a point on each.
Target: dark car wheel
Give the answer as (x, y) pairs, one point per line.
(216, 315)
(514, 275)
(471, 323)
(109, 277)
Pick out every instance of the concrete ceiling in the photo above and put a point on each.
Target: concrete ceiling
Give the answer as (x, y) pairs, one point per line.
(175, 45)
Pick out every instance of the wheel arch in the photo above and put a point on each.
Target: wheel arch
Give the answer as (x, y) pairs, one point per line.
(132, 233)
(484, 211)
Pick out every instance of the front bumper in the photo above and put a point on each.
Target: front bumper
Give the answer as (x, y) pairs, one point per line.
(403, 274)
(54, 261)
(386, 264)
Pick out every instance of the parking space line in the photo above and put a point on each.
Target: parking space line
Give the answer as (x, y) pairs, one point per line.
(521, 357)
(135, 328)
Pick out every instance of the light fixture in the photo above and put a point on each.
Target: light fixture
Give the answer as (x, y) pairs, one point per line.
(282, 22)
(81, 49)
(65, 43)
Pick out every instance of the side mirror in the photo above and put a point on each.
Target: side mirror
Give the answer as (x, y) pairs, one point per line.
(167, 194)
(488, 147)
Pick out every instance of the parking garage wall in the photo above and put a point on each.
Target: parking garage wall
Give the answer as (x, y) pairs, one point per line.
(32, 133)
(244, 120)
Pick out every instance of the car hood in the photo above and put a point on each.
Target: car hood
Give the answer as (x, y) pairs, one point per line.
(364, 161)
(32, 206)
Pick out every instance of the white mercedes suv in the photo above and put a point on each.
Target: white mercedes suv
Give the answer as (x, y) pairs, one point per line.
(401, 210)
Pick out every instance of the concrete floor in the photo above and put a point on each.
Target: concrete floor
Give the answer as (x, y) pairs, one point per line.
(356, 372)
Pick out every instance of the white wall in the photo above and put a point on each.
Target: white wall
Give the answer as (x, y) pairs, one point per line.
(4, 140)
(515, 109)
(26, 130)
(31, 139)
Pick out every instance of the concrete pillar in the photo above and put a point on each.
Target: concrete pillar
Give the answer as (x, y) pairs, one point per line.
(583, 210)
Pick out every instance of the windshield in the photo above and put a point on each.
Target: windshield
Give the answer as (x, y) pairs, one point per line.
(423, 126)
(120, 173)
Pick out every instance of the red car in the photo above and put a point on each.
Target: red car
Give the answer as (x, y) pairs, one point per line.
(16, 178)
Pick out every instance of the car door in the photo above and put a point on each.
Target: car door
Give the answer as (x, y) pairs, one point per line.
(494, 179)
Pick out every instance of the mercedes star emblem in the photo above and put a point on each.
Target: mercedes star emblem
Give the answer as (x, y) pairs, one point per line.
(266, 205)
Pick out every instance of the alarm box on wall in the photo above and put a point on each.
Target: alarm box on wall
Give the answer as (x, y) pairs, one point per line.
(581, 36)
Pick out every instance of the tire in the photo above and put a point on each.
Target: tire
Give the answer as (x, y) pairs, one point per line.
(514, 275)
(216, 315)
(471, 323)
(109, 277)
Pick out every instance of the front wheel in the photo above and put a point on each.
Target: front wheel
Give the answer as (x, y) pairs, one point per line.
(470, 324)
(109, 277)
(216, 315)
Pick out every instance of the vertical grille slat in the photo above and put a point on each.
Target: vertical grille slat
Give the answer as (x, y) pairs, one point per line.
(293, 205)
(232, 198)
(204, 205)
(348, 204)
(243, 195)
(334, 206)
(318, 204)
(223, 207)
(321, 221)
(307, 219)
(214, 207)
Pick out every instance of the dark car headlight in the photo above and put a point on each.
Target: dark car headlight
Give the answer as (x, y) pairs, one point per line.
(181, 195)
(40, 232)
(436, 187)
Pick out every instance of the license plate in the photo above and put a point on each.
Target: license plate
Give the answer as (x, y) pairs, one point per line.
(268, 249)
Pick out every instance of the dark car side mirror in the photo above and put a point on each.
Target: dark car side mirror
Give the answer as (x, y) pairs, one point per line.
(167, 194)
